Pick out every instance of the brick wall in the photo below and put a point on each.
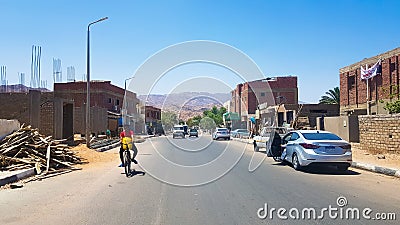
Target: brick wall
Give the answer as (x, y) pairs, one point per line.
(380, 134)
(15, 106)
(47, 118)
(46, 126)
(98, 120)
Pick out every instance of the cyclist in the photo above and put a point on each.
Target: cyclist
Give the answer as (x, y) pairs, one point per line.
(127, 140)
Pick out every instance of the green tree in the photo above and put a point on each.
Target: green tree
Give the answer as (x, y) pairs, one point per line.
(215, 114)
(169, 119)
(207, 123)
(331, 97)
(394, 105)
(194, 121)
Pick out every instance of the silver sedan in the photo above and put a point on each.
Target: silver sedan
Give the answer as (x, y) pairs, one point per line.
(313, 147)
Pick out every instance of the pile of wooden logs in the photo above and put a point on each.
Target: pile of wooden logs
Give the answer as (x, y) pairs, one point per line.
(27, 148)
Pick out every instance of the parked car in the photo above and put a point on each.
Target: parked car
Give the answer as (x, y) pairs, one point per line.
(193, 132)
(240, 133)
(260, 141)
(221, 133)
(313, 147)
(178, 131)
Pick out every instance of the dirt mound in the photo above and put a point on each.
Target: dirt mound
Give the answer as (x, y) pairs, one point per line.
(92, 158)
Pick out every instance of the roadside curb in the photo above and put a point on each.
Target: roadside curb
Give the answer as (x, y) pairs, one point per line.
(18, 175)
(248, 141)
(108, 147)
(376, 169)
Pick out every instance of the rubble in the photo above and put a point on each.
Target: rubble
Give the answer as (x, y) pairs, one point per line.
(27, 148)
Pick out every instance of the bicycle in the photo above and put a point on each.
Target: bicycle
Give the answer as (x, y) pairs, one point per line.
(127, 162)
(127, 146)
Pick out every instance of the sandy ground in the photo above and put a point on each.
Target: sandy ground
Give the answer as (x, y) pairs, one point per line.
(91, 158)
(362, 156)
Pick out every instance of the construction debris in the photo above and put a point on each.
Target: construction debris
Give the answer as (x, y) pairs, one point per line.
(27, 148)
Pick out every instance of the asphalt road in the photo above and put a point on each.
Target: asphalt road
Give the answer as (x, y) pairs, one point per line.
(198, 181)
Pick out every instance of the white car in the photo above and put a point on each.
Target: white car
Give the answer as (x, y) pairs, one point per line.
(179, 131)
(313, 147)
(221, 133)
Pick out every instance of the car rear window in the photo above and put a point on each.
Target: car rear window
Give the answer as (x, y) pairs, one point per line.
(193, 130)
(320, 136)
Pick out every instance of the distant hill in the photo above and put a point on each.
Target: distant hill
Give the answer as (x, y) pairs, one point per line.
(186, 104)
(19, 88)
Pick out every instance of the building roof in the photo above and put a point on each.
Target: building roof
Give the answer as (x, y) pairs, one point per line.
(370, 61)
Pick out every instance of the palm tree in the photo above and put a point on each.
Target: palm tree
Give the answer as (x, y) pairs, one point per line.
(331, 97)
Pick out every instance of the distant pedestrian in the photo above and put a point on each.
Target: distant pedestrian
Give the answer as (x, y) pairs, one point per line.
(108, 134)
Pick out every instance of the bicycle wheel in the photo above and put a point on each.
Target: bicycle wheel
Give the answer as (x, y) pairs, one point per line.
(127, 163)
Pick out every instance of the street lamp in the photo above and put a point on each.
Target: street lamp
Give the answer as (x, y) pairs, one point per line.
(126, 81)
(88, 82)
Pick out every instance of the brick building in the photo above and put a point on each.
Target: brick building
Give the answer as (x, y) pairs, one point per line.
(296, 115)
(247, 96)
(106, 103)
(153, 114)
(153, 119)
(52, 116)
(353, 90)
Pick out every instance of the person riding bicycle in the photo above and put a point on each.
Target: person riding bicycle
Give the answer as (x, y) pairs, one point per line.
(127, 141)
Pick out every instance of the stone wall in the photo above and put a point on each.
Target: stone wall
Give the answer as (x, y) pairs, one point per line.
(380, 133)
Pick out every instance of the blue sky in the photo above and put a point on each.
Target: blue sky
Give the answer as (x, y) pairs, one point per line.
(310, 39)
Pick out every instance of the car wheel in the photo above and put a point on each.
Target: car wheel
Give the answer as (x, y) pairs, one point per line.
(295, 162)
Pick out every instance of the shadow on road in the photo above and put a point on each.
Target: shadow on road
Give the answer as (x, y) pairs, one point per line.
(323, 170)
(136, 172)
(326, 170)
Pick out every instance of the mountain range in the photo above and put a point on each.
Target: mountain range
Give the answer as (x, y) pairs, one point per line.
(186, 104)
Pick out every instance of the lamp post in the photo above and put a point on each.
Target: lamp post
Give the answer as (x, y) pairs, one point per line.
(126, 81)
(88, 82)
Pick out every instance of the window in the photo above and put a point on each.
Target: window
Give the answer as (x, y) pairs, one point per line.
(320, 136)
(351, 82)
(117, 102)
(294, 137)
(287, 138)
(262, 94)
(109, 100)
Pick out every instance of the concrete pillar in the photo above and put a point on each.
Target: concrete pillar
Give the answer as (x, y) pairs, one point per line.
(34, 108)
(58, 118)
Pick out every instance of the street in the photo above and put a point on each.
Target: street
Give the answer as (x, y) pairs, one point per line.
(220, 191)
